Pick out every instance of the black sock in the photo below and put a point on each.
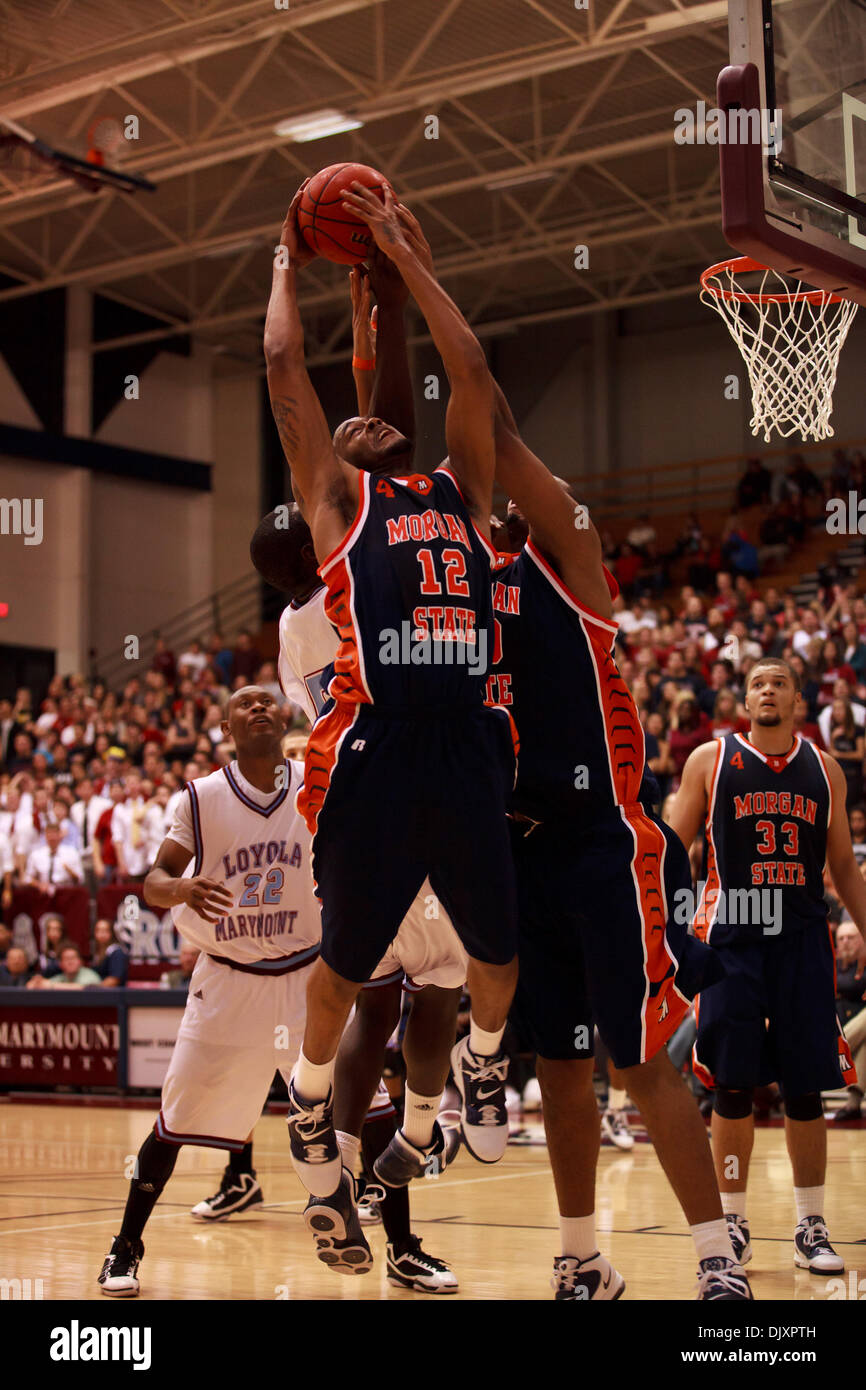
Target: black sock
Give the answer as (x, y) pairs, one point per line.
(242, 1162)
(375, 1138)
(153, 1168)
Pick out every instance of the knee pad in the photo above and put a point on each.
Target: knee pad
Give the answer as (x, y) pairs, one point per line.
(733, 1105)
(806, 1107)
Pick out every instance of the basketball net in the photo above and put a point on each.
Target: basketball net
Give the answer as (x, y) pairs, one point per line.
(790, 339)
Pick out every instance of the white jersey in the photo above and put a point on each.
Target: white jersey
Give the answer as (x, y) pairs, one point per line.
(308, 643)
(259, 847)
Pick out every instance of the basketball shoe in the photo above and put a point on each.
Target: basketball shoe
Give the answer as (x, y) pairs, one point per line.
(369, 1213)
(615, 1127)
(238, 1192)
(593, 1279)
(119, 1276)
(812, 1248)
(741, 1240)
(315, 1151)
(414, 1269)
(402, 1160)
(722, 1279)
(334, 1224)
(483, 1112)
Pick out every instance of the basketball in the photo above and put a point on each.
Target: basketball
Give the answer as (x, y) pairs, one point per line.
(327, 227)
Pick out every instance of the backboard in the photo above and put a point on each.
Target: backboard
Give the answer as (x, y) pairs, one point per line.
(797, 201)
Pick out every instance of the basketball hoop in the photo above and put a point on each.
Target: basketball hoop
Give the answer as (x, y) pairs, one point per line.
(104, 137)
(790, 337)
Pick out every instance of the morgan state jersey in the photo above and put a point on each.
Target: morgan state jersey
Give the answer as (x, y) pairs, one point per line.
(581, 741)
(409, 594)
(258, 846)
(308, 644)
(767, 821)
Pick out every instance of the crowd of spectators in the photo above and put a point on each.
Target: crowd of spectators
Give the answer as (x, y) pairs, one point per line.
(89, 780)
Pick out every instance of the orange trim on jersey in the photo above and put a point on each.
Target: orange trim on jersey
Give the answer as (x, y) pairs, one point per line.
(705, 914)
(565, 593)
(449, 473)
(323, 750)
(663, 1012)
(623, 731)
(349, 681)
(348, 540)
(704, 1075)
(829, 786)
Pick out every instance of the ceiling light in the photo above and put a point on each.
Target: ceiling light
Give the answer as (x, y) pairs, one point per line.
(317, 126)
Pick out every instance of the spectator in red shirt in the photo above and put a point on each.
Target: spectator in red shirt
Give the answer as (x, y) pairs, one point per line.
(831, 668)
(689, 728)
(104, 853)
(164, 662)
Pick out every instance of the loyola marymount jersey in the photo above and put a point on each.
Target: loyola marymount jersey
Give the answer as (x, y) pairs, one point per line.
(259, 847)
(767, 820)
(581, 740)
(308, 644)
(409, 594)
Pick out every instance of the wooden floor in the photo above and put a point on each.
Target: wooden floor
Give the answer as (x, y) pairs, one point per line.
(64, 1176)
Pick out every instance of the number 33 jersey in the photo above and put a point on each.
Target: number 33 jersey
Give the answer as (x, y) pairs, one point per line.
(767, 820)
(257, 845)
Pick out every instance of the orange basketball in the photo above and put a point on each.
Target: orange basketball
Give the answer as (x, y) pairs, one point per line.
(326, 226)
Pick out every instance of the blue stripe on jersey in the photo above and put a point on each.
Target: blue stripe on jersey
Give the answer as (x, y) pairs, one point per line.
(196, 829)
(253, 805)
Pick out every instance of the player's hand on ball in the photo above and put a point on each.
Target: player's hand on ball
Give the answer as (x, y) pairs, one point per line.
(300, 253)
(205, 895)
(380, 217)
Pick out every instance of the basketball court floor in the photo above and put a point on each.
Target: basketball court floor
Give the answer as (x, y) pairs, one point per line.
(65, 1174)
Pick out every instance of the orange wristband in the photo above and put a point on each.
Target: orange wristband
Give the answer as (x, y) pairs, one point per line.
(363, 364)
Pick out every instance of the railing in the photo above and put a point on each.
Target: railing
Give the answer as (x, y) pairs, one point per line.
(245, 603)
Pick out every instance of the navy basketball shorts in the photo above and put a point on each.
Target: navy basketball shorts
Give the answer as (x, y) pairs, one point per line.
(394, 798)
(773, 1017)
(598, 939)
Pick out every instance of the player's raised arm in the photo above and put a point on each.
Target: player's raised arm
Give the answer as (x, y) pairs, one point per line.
(469, 421)
(363, 341)
(846, 876)
(560, 526)
(322, 484)
(392, 398)
(689, 808)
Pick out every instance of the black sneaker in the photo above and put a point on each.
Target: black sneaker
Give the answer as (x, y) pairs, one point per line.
(483, 1113)
(334, 1224)
(415, 1269)
(315, 1151)
(741, 1240)
(238, 1192)
(812, 1248)
(402, 1161)
(590, 1280)
(119, 1277)
(721, 1279)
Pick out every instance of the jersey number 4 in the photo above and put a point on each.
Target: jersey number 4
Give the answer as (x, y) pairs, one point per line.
(271, 895)
(456, 583)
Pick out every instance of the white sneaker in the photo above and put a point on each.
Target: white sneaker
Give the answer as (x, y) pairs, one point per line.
(532, 1094)
(615, 1127)
(591, 1280)
(483, 1113)
(512, 1101)
(812, 1248)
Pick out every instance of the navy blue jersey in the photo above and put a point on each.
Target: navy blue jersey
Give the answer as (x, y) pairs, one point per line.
(581, 740)
(767, 821)
(409, 594)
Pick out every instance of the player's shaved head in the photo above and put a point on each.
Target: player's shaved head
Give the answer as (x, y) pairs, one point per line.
(282, 551)
(253, 719)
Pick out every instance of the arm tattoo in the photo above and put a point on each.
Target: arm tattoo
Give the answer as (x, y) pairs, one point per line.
(286, 417)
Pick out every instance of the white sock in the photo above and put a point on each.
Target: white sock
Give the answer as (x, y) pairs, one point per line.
(482, 1043)
(616, 1100)
(712, 1240)
(810, 1201)
(419, 1115)
(350, 1147)
(735, 1203)
(577, 1235)
(312, 1079)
